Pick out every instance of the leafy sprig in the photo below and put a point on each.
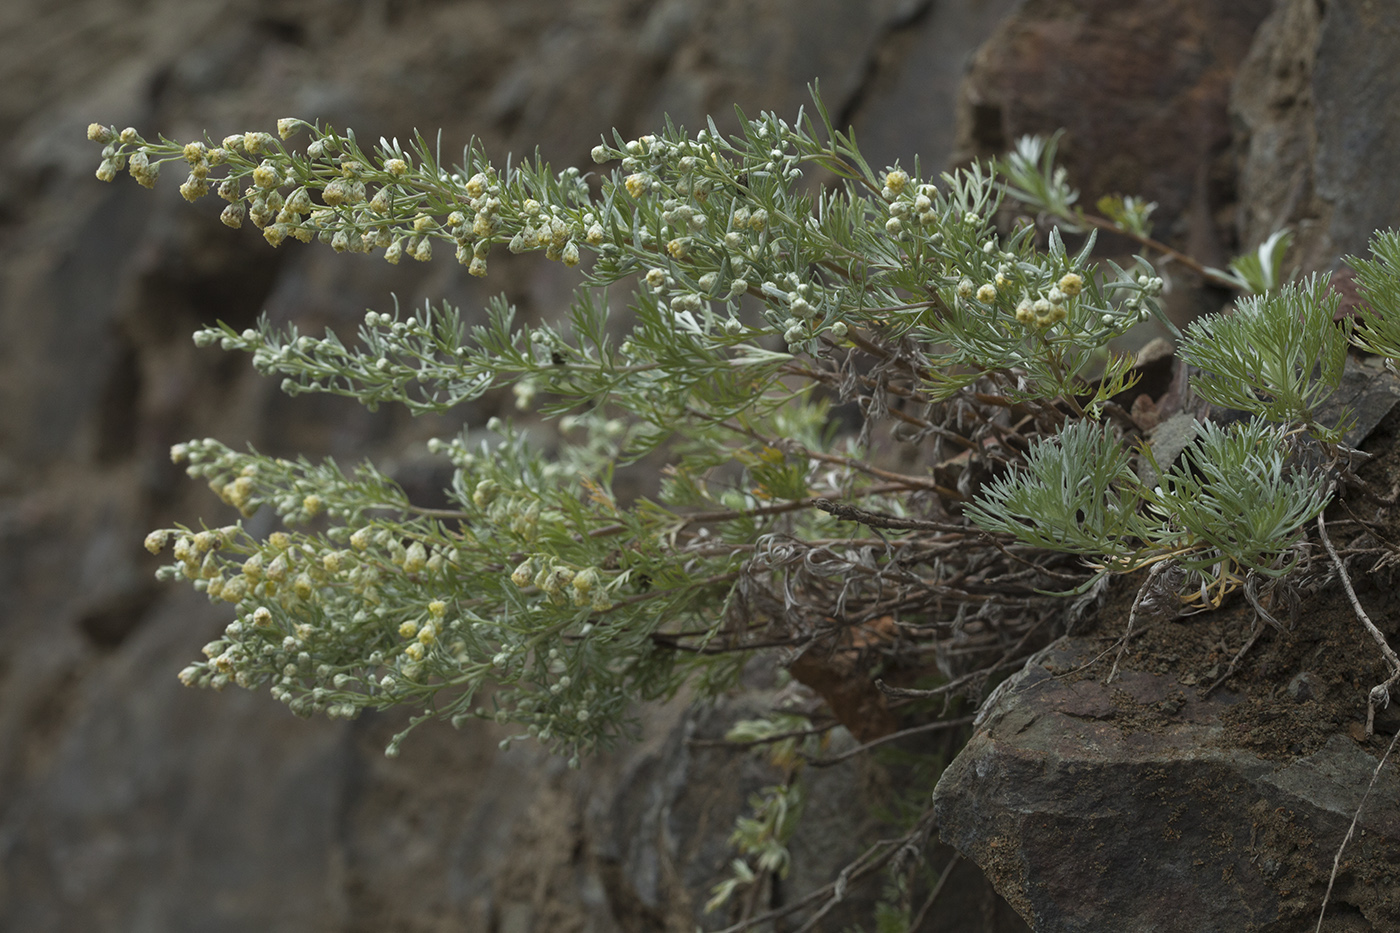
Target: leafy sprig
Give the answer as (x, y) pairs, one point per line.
(1278, 355)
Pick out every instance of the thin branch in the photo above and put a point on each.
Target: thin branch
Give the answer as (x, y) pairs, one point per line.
(880, 520)
(766, 740)
(1235, 661)
(909, 482)
(933, 895)
(1176, 255)
(938, 726)
(1337, 859)
(1380, 694)
(1132, 615)
(872, 859)
(1009, 658)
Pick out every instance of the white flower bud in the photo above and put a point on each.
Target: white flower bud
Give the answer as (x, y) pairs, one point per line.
(232, 215)
(415, 558)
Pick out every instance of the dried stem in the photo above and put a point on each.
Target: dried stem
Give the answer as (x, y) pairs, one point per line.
(1380, 694)
(1132, 616)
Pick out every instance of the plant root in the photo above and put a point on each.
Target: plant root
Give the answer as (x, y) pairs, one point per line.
(1380, 693)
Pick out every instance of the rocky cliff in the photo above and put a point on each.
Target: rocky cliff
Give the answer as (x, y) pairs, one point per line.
(130, 803)
(1179, 798)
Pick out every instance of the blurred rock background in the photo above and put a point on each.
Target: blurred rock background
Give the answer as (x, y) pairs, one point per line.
(128, 803)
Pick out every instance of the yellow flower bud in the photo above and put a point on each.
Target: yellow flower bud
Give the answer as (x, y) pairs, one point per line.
(415, 558)
(277, 570)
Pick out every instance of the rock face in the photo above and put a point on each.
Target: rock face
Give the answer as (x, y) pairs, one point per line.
(1133, 807)
(1140, 91)
(129, 803)
(1154, 804)
(1314, 153)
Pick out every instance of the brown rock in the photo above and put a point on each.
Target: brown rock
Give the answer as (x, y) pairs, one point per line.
(1086, 821)
(1141, 91)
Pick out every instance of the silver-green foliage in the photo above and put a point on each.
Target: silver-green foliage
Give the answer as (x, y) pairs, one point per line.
(1233, 505)
(748, 292)
(1278, 355)
(1379, 331)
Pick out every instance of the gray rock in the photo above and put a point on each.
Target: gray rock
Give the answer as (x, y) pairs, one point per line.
(1087, 817)
(130, 803)
(1314, 156)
